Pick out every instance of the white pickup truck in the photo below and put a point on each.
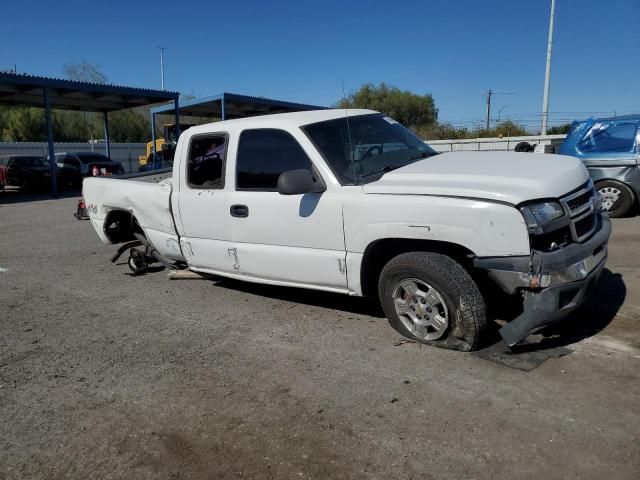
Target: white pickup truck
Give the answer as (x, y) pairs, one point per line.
(352, 202)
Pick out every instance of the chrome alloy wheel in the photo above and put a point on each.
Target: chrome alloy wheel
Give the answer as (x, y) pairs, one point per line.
(610, 195)
(421, 309)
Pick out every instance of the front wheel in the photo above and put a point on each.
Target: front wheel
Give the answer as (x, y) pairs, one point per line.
(617, 198)
(431, 298)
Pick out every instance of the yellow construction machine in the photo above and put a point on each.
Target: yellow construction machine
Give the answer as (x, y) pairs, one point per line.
(165, 146)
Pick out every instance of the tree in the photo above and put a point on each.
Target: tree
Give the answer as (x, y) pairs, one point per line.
(80, 126)
(441, 131)
(560, 129)
(84, 72)
(23, 125)
(506, 128)
(408, 108)
(129, 125)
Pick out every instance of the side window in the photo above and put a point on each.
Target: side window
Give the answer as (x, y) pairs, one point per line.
(263, 155)
(614, 137)
(205, 166)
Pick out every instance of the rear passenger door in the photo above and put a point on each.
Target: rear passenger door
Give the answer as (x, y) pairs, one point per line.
(202, 205)
(283, 239)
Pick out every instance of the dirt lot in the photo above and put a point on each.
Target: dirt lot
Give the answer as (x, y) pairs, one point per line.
(105, 375)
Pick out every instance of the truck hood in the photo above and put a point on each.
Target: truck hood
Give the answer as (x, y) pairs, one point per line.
(497, 176)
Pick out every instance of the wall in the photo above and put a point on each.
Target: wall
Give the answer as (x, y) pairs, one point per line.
(493, 144)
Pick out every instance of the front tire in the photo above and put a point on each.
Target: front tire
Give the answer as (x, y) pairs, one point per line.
(431, 298)
(617, 198)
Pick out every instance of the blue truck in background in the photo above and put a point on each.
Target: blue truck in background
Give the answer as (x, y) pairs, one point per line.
(610, 149)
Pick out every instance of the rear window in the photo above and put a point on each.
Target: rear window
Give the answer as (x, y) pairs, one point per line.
(30, 161)
(613, 137)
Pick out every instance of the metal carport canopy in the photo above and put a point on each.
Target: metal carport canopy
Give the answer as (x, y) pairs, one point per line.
(232, 105)
(48, 93)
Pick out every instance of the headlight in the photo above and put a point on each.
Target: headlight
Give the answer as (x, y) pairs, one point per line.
(538, 215)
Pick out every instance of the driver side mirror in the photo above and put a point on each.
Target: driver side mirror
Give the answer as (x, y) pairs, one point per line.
(296, 182)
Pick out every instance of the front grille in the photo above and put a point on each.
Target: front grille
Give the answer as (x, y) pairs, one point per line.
(580, 203)
(581, 207)
(585, 225)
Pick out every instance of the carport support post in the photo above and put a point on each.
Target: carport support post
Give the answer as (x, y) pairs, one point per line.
(106, 135)
(177, 114)
(52, 157)
(153, 138)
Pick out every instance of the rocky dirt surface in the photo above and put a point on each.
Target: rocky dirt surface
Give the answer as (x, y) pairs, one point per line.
(106, 375)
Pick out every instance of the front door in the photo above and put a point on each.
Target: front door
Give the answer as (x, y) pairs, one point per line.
(283, 239)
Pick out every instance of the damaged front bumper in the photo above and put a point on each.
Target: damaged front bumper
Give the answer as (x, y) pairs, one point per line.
(553, 283)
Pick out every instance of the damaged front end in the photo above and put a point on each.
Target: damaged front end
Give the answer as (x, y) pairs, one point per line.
(568, 253)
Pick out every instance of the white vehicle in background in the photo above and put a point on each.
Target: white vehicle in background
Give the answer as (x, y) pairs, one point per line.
(352, 202)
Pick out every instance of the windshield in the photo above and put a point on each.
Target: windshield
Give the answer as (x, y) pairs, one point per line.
(31, 161)
(92, 158)
(366, 147)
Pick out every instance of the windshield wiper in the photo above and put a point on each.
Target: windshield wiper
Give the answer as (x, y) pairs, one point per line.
(422, 155)
(386, 169)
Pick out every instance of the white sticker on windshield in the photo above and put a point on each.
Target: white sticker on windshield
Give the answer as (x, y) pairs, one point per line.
(390, 120)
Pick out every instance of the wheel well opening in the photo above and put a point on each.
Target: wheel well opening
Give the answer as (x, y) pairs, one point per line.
(618, 182)
(378, 253)
(120, 225)
(623, 187)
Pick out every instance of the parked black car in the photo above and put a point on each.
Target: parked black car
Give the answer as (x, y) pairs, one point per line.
(32, 172)
(83, 162)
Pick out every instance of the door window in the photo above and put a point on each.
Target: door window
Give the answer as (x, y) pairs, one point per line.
(613, 137)
(263, 155)
(205, 167)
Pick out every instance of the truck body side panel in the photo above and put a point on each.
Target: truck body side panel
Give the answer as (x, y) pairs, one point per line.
(485, 228)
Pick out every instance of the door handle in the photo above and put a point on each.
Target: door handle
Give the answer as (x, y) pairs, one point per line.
(240, 211)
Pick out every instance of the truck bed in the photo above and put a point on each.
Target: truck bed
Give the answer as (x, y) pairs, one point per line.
(152, 176)
(147, 202)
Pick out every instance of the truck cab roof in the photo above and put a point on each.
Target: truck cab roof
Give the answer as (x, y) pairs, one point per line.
(281, 120)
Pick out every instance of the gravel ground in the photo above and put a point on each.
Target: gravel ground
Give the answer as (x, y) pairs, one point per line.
(105, 375)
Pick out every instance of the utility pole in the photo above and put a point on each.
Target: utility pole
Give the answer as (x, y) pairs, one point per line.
(488, 94)
(162, 49)
(547, 73)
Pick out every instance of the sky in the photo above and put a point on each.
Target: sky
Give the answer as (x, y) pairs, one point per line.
(304, 51)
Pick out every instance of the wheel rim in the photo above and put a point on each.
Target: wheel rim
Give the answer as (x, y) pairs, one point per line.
(610, 196)
(421, 309)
